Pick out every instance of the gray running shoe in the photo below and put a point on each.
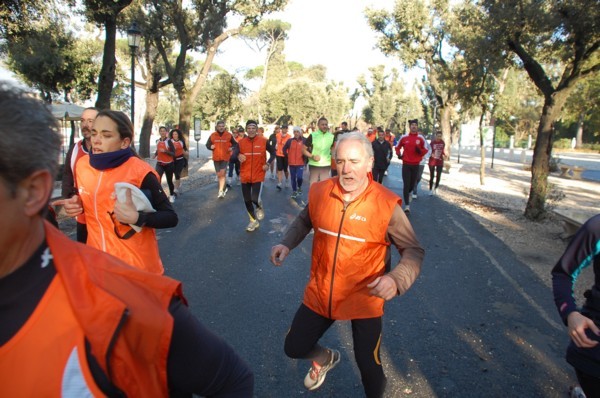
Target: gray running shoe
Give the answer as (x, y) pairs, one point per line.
(260, 213)
(316, 374)
(252, 226)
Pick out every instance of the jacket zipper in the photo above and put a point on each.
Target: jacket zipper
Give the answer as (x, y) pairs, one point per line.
(335, 252)
(96, 211)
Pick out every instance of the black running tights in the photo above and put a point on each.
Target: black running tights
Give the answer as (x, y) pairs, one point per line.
(251, 194)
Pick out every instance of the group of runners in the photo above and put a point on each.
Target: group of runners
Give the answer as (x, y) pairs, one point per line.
(142, 206)
(250, 155)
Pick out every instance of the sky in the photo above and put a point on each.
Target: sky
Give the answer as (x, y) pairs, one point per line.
(334, 33)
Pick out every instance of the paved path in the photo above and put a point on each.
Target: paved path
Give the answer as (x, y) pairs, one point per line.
(477, 323)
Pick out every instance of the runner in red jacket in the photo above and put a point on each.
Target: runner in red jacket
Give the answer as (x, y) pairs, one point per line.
(411, 150)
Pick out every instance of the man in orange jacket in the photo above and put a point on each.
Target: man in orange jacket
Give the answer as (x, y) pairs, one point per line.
(349, 278)
(222, 144)
(253, 151)
(77, 321)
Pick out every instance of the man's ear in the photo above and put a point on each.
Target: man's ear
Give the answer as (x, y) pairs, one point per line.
(35, 191)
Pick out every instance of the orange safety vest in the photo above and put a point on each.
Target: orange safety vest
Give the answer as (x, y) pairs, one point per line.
(222, 143)
(255, 151)
(123, 314)
(163, 157)
(295, 156)
(281, 140)
(77, 154)
(96, 189)
(349, 249)
(178, 145)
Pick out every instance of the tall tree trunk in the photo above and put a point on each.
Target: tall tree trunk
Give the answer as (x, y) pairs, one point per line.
(482, 148)
(540, 167)
(148, 121)
(579, 134)
(186, 101)
(185, 114)
(106, 79)
(446, 126)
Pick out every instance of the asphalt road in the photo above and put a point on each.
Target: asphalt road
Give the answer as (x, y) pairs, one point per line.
(477, 323)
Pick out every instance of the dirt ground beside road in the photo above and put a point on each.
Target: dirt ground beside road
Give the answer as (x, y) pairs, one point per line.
(500, 203)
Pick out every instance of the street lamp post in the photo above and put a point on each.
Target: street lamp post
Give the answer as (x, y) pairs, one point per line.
(134, 36)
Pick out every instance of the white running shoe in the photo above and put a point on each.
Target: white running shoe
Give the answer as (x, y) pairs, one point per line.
(252, 226)
(260, 213)
(316, 373)
(431, 192)
(407, 210)
(172, 198)
(435, 191)
(286, 183)
(414, 195)
(221, 195)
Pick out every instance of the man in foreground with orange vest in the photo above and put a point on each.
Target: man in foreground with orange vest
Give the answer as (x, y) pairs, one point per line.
(355, 220)
(221, 143)
(79, 322)
(77, 151)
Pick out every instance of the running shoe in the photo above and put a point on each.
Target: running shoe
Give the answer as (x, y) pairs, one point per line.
(414, 195)
(316, 373)
(299, 191)
(431, 192)
(221, 195)
(260, 213)
(294, 195)
(407, 210)
(172, 198)
(285, 183)
(279, 187)
(252, 226)
(226, 189)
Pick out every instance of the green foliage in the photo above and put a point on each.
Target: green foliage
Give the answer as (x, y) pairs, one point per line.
(387, 103)
(220, 99)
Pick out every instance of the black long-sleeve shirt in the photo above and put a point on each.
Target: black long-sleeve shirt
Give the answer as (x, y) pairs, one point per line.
(582, 251)
(165, 216)
(199, 362)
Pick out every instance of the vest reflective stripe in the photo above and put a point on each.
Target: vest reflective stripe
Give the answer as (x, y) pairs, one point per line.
(46, 358)
(342, 235)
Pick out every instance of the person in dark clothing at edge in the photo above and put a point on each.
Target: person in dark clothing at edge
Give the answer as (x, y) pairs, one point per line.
(583, 352)
(382, 153)
(77, 321)
(80, 149)
(411, 149)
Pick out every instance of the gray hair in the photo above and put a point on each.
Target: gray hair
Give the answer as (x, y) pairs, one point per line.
(29, 136)
(354, 136)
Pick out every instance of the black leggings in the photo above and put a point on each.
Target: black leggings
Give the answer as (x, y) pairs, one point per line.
(432, 171)
(308, 327)
(378, 175)
(589, 384)
(410, 172)
(251, 194)
(168, 169)
(179, 165)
